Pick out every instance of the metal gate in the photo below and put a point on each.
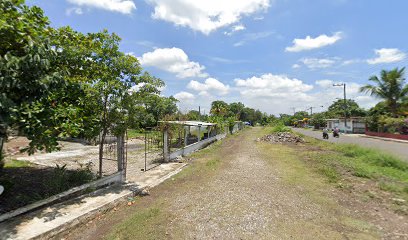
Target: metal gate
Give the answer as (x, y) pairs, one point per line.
(153, 152)
(113, 155)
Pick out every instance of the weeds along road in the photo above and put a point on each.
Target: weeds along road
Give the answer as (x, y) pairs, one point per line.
(398, 149)
(240, 189)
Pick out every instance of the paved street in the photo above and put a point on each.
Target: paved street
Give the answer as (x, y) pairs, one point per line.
(398, 149)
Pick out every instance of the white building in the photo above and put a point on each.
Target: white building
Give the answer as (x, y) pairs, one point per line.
(353, 124)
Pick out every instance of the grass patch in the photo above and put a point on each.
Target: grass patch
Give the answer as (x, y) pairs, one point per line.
(138, 225)
(331, 173)
(372, 156)
(392, 187)
(212, 163)
(336, 161)
(135, 133)
(16, 164)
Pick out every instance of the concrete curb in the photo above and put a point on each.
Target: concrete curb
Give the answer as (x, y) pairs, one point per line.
(385, 139)
(84, 218)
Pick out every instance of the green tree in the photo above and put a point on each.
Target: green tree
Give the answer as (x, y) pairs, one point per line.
(301, 115)
(193, 115)
(219, 108)
(236, 109)
(318, 120)
(30, 81)
(352, 109)
(159, 107)
(390, 87)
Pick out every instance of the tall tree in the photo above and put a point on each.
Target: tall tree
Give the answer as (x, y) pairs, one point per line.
(390, 86)
(351, 108)
(219, 108)
(30, 80)
(236, 109)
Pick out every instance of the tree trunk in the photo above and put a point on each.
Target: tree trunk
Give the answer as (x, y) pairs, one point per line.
(394, 109)
(104, 131)
(101, 142)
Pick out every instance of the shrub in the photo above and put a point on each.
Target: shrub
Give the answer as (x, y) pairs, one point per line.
(63, 179)
(280, 128)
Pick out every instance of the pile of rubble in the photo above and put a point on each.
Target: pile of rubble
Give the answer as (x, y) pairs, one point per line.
(282, 137)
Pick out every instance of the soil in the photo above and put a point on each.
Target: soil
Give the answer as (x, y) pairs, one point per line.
(257, 191)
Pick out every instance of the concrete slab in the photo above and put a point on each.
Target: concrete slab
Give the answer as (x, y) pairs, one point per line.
(48, 222)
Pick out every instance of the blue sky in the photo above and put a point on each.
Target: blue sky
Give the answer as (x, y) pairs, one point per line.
(269, 54)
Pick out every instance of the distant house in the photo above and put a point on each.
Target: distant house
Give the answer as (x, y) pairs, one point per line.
(354, 124)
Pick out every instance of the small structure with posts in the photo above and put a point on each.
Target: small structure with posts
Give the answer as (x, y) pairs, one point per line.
(184, 137)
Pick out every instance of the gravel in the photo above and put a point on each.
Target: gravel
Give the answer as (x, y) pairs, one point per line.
(282, 137)
(246, 200)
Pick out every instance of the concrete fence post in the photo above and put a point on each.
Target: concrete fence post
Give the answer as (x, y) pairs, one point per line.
(166, 150)
(121, 156)
(185, 136)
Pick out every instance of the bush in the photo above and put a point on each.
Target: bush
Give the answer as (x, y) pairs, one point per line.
(394, 125)
(280, 128)
(63, 179)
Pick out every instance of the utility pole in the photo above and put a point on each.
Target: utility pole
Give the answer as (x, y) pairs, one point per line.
(311, 109)
(345, 102)
(294, 110)
(199, 113)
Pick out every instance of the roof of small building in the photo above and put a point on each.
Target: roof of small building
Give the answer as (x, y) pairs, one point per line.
(341, 118)
(190, 123)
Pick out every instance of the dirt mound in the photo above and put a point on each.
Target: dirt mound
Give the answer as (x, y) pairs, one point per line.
(282, 137)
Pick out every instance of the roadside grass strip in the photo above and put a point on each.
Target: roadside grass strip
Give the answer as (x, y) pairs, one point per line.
(336, 161)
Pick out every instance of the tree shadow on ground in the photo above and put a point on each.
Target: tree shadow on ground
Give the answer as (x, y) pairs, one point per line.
(10, 228)
(26, 185)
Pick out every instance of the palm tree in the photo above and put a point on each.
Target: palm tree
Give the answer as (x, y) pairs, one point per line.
(219, 108)
(390, 87)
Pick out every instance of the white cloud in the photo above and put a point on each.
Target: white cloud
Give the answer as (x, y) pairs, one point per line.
(184, 96)
(387, 55)
(206, 16)
(314, 63)
(269, 85)
(211, 86)
(234, 29)
(295, 66)
(279, 93)
(273, 93)
(324, 83)
(173, 60)
(252, 37)
(122, 6)
(309, 43)
(75, 10)
(351, 61)
(329, 93)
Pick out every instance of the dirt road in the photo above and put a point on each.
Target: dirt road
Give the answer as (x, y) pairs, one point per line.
(241, 189)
